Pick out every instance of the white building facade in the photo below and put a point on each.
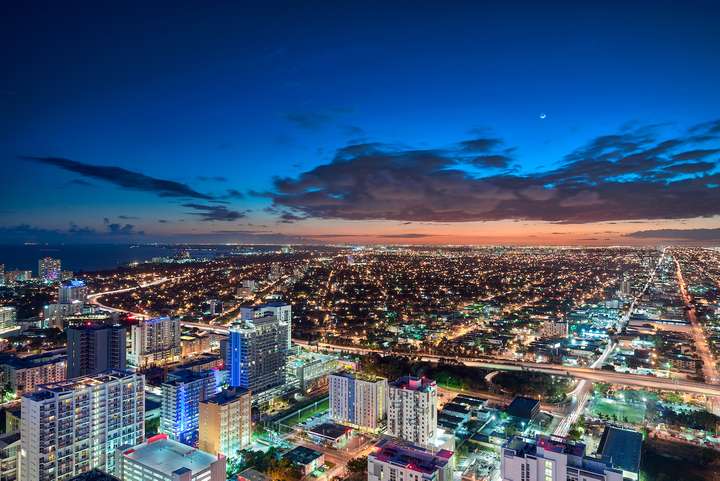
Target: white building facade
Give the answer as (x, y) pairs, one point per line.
(71, 427)
(412, 409)
(358, 400)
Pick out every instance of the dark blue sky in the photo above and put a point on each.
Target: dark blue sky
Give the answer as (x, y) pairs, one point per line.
(190, 92)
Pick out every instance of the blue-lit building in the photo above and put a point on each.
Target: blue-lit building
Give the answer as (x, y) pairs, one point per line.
(72, 291)
(181, 397)
(257, 353)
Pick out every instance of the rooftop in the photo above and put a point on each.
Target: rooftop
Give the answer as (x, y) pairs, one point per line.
(523, 407)
(360, 376)
(46, 391)
(227, 396)
(330, 430)
(302, 455)
(420, 384)
(621, 448)
(410, 456)
(168, 456)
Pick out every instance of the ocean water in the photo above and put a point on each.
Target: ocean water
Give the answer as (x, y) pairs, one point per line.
(79, 258)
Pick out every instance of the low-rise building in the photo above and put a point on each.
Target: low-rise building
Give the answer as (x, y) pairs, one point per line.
(552, 459)
(24, 374)
(308, 460)
(395, 460)
(622, 449)
(162, 459)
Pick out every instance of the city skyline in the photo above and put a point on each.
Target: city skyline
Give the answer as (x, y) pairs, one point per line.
(387, 124)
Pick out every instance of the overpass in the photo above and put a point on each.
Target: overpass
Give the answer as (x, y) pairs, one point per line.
(498, 364)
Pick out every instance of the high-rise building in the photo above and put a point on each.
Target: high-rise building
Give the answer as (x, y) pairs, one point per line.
(625, 286)
(8, 315)
(92, 349)
(71, 427)
(225, 422)
(9, 450)
(257, 353)
(280, 309)
(552, 459)
(154, 341)
(412, 409)
(55, 315)
(358, 400)
(181, 397)
(393, 460)
(162, 459)
(49, 269)
(2, 274)
(71, 291)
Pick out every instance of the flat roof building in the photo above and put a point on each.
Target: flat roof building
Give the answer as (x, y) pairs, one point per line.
(551, 458)
(391, 459)
(163, 459)
(225, 422)
(524, 408)
(358, 400)
(622, 448)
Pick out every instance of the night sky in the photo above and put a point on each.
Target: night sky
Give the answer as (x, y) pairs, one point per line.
(388, 122)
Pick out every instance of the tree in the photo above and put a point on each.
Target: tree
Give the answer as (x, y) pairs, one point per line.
(358, 465)
(283, 470)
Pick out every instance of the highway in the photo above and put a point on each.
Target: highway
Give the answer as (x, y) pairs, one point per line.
(94, 298)
(588, 373)
(710, 370)
(581, 393)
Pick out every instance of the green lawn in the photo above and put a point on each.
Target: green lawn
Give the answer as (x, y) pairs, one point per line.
(306, 414)
(622, 411)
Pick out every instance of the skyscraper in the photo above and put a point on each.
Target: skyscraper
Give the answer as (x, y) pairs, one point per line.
(154, 341)
(257, 354)
(358, 400)
(71, 427)
(181, 397)
(49, 269)
(412, 409)
(92, 349)
(225, 426)
(280, 309)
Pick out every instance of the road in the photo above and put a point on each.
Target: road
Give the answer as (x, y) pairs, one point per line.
(581, 394)
(710, 370)
(94, 298)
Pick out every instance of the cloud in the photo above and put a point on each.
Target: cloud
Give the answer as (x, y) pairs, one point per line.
(309, 120)
(163, 221)
(123, 178)
(234, 194)
(496, 161)
(678, 234)
(124, 230)
(483, 144)
(73, 234)
(216, 178)
(81, 182)
(411, 235)
(628, 175)
(214, 212)
(127, 217)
